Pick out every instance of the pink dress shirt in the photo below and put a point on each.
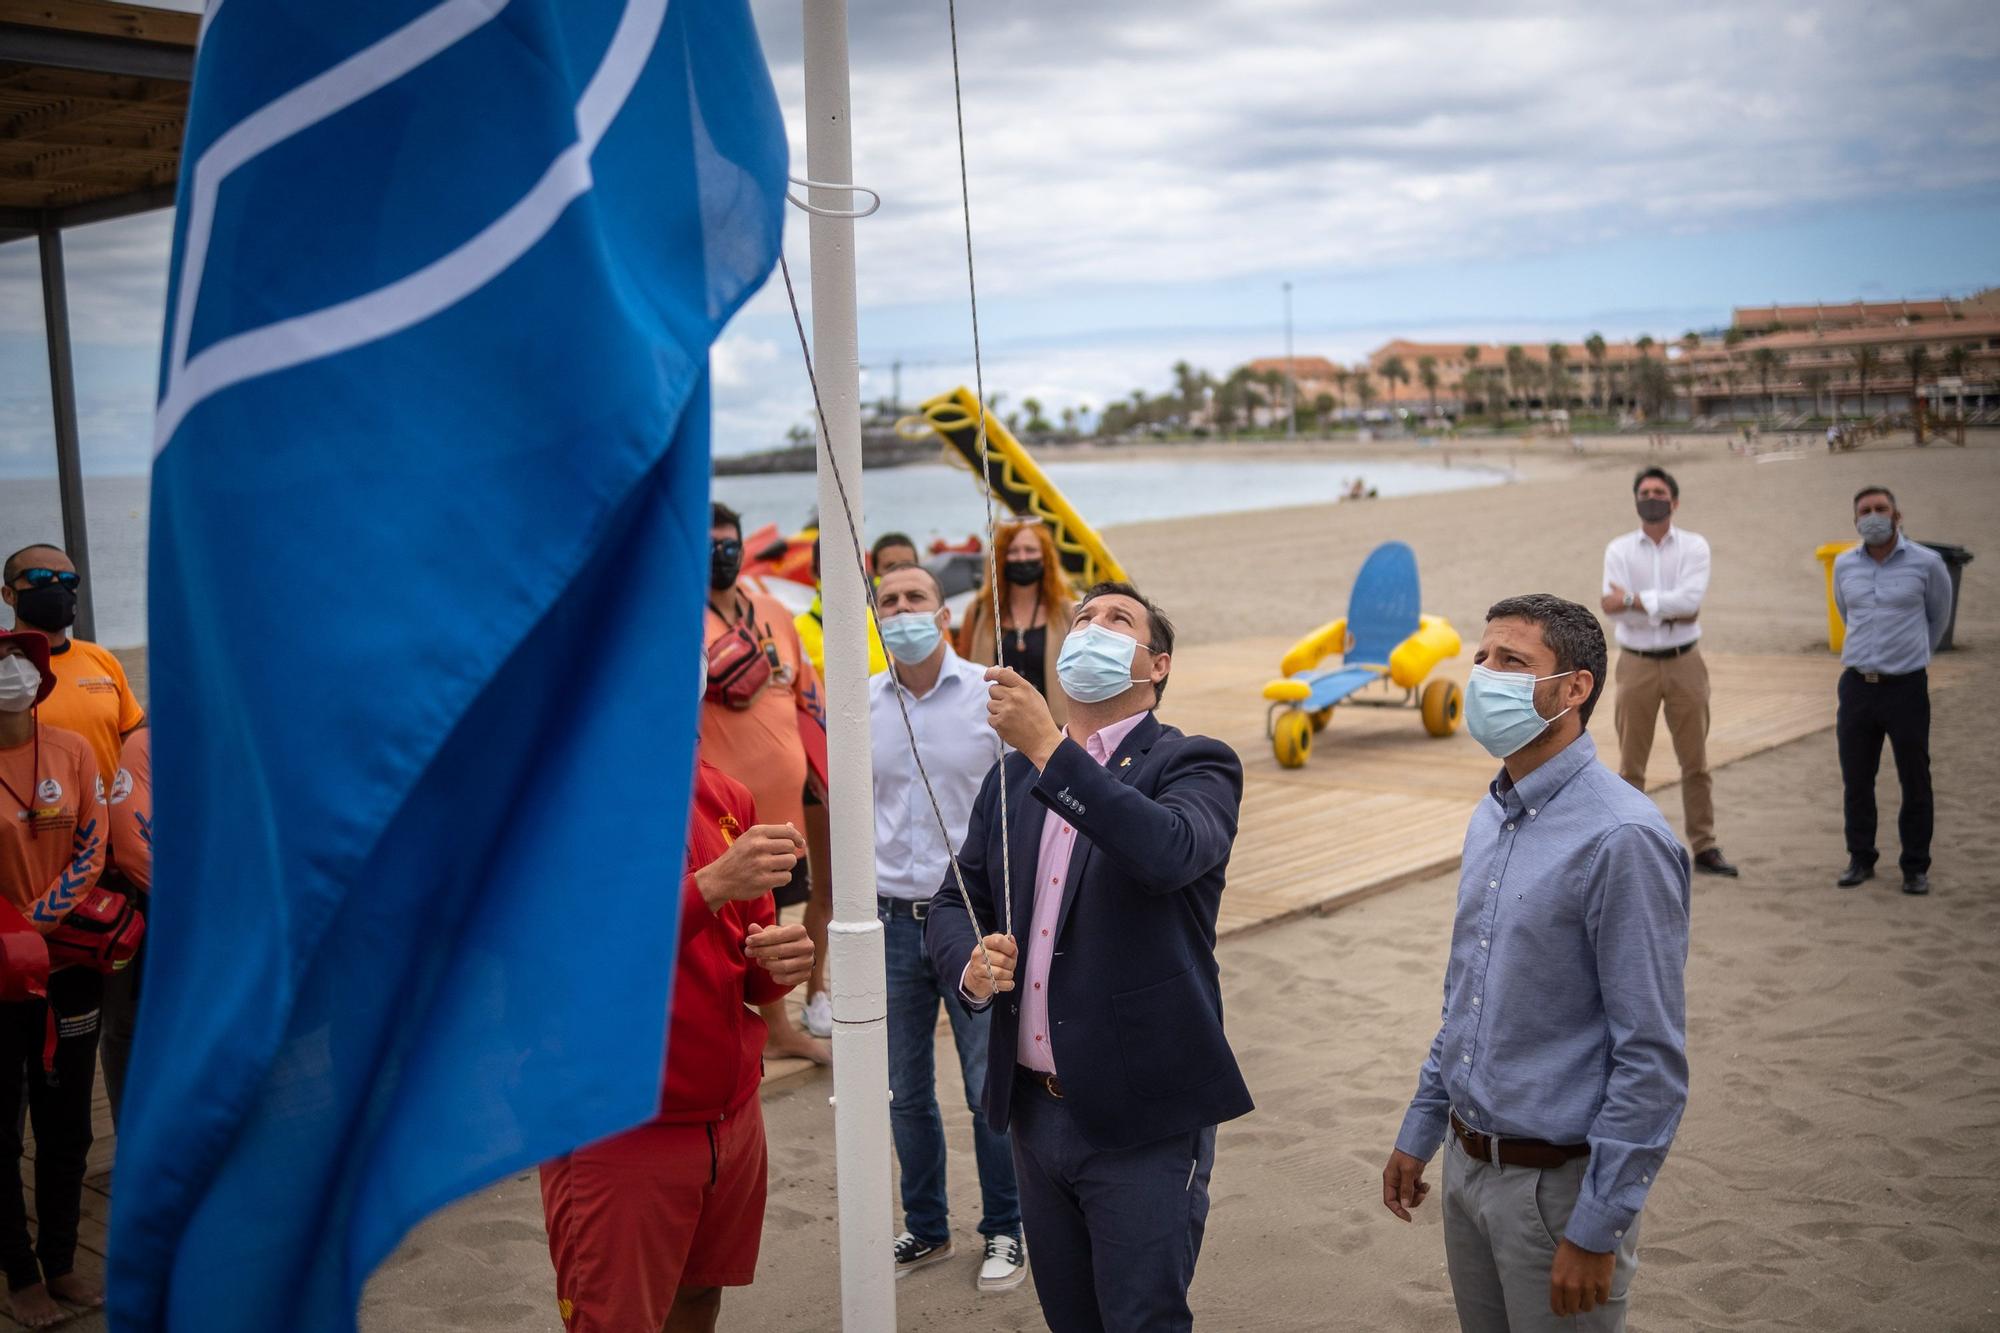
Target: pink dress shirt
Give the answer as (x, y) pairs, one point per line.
(1034, 1048)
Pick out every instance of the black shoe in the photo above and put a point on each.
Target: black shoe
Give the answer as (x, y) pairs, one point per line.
(1710, 862)
(912, 1254)
(1855, 873)
(1917, 884)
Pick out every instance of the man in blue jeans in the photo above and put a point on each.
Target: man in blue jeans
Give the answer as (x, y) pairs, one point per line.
(944, 699)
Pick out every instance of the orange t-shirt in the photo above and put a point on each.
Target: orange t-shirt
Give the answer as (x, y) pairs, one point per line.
(130, 797)
(93, 699)
(46, 869)
(759, 746)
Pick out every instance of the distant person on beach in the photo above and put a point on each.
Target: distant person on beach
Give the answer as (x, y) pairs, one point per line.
(93, 699)
(1108, 1066)
(944, 699)
(1895, 595)
(1560, 1071)
(1035, 611)
(1655, 578)
(646, 1228)
(759, 679)
(52, 845)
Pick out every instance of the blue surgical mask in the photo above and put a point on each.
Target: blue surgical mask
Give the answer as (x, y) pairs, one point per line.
(911, 637)
(1875, 529)
(1500, 709)
(1096, 664)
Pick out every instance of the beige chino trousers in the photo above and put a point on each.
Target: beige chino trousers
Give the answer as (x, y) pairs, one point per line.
(1680, 686)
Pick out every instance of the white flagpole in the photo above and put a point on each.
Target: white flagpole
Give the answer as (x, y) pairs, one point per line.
(854, 939)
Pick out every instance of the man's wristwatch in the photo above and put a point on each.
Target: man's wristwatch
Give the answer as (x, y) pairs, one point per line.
(1628, 601)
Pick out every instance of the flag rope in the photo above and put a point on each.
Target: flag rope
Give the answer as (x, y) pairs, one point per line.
(868, 588)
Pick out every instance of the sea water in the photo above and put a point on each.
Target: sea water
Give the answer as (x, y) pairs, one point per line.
(926, 501)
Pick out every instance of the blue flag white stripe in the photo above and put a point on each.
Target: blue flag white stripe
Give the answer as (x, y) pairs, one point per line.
(429, 540)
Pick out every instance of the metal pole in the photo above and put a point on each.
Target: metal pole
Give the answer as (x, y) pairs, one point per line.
(854, 938)
(62, 394)
(1291, 375)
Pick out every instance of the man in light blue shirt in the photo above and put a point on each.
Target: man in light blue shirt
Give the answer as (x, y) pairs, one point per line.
(944, 698)
(1895, 596)
(1560, 1071)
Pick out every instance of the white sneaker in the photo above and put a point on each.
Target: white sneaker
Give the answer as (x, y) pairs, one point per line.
(1006, 1264)
(819, 1014)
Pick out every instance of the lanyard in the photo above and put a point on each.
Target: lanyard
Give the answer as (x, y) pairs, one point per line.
(34, 783)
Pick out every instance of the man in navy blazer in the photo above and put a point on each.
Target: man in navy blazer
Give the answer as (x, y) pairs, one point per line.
(1107, 1062)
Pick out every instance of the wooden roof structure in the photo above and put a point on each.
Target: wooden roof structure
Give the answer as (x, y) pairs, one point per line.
(93, 107)
(93, 104)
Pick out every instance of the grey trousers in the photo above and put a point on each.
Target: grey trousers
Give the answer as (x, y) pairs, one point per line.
(1501, 1225)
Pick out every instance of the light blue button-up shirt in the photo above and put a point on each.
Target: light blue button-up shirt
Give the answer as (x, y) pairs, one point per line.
(1896, 609)
(1564, 1014)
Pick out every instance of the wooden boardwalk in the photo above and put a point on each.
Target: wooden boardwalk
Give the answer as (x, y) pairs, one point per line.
(1379, 803)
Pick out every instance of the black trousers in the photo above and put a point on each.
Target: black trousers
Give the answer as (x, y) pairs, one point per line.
(121, 1003)
(1899, 708)
(59, 1107)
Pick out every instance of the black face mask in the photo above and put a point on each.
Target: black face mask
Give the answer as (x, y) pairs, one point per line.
(725, 562)
(52, 608)
(1652, 511)
(1024, 573)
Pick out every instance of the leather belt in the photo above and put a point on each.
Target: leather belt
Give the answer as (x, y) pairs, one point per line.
(1663, 652)
(1047, 1084)
(1883, 677)
(1515, 1152)
(914, 908)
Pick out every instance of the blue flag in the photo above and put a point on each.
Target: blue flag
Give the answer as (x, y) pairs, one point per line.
(429, 548)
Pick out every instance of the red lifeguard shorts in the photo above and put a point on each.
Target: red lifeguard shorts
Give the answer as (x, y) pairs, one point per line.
(657, 1208)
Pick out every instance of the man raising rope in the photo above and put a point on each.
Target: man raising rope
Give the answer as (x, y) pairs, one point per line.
(1108, 1064)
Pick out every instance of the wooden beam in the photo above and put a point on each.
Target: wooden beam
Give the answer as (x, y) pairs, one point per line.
(100, 19)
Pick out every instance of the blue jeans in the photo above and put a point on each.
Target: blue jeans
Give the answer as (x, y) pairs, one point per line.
(914, 1119)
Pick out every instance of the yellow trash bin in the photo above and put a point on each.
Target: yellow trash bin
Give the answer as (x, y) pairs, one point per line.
(1836, 628)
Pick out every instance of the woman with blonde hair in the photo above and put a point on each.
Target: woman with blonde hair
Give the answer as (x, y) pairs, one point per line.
(1035, 610)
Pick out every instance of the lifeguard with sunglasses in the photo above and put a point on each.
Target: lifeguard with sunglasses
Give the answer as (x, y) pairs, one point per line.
(92, 696)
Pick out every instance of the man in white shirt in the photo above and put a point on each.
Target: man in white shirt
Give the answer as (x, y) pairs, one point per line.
(945, 698)
(1654, 581)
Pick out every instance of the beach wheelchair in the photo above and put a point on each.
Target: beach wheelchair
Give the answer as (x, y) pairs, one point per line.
(1384, 641)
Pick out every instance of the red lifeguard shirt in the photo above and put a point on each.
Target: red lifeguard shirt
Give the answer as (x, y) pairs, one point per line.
(715, 1045)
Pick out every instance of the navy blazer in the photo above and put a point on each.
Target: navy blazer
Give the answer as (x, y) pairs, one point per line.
(1135, 998)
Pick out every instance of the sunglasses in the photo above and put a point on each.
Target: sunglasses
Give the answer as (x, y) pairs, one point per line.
(42, 578)
(725, 546)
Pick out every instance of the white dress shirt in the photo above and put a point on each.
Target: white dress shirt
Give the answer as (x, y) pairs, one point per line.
(958, 746)
(1667, 579)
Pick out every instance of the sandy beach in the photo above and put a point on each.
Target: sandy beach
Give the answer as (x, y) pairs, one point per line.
(1839, 1166)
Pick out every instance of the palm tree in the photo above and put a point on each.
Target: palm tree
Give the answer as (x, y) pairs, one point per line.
(1559, 375)
(1364, 387)
(1918, 358)
(1517, 371)
(1037, 425)
(1957, 358)
(1427, 374)
(1767, 362)
(1069, 420)
(1867, 360)
(1322, 407)
(1814, 380)
(1392, 371)
(1187, 385)
(1731, 376)
(1340, 374)
(1595, 347)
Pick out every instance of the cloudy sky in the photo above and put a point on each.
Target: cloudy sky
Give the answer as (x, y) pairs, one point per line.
(1144, 179)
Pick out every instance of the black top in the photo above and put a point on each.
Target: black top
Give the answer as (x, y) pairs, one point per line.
(1024, 651)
